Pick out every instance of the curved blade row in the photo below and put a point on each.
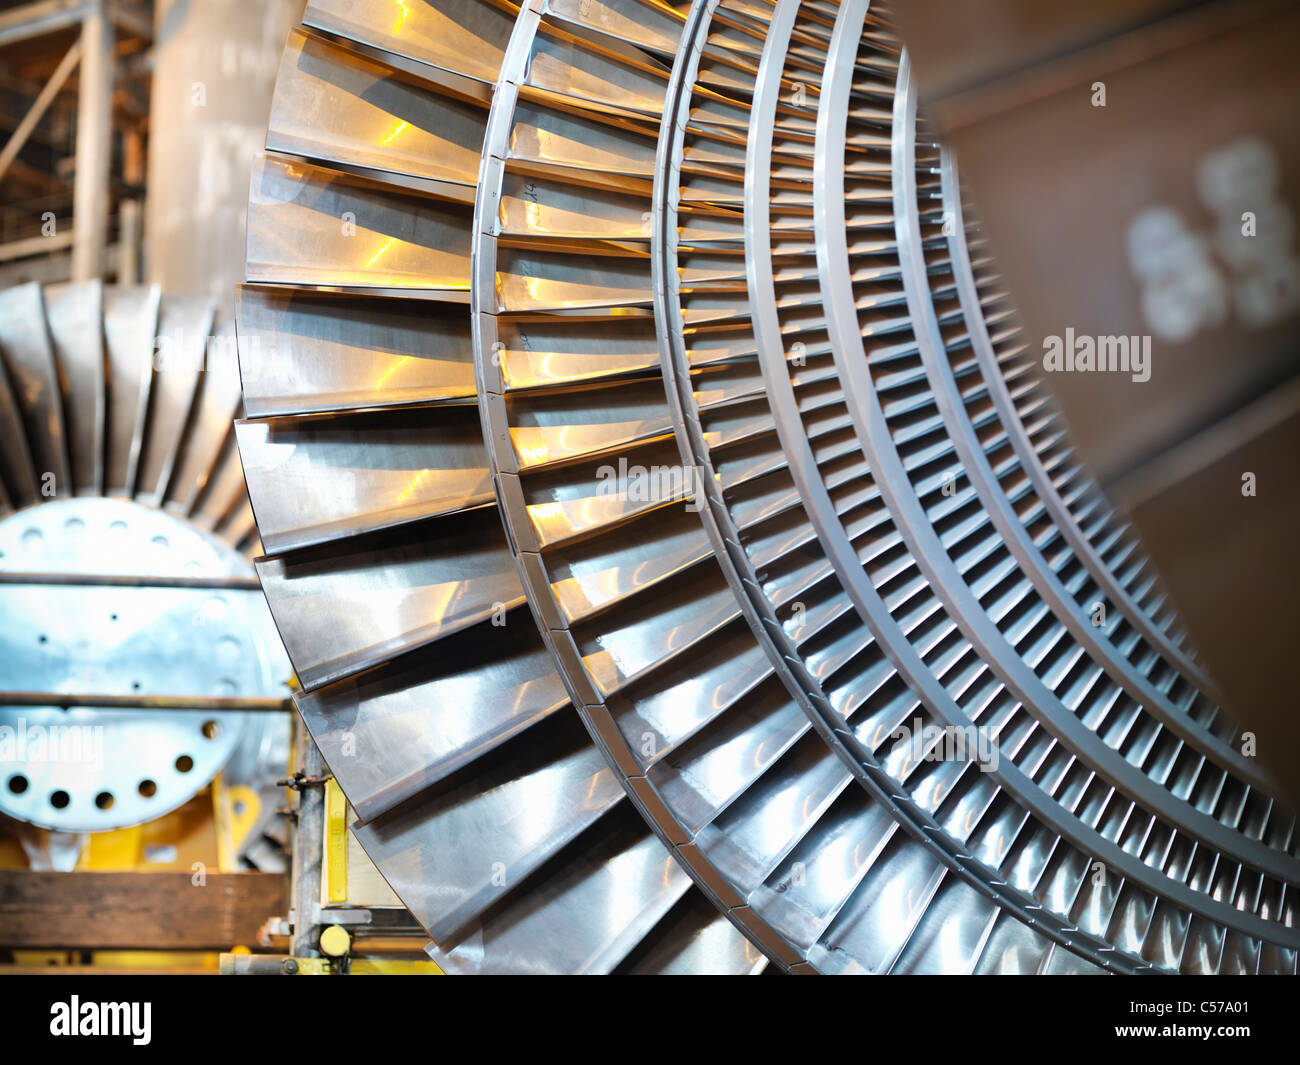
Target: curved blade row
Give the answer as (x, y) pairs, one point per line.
(121, 392)
(430, 691)
(654, 489)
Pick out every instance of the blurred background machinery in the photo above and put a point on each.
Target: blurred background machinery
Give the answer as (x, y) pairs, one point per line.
(685, 564)
(142, 686)
(105, 98)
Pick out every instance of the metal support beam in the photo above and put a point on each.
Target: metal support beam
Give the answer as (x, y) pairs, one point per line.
(39, 107)
(94, 133)
(33, 20)
(130, 223)
(308, 846)
(21, 249)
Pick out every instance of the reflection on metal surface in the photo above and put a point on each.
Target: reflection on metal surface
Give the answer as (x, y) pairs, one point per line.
(751, 615)
(113, 606)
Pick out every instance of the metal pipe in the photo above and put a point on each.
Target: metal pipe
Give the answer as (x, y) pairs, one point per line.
(116, 580)
(144, 702)
(366, 946)
(94, 132)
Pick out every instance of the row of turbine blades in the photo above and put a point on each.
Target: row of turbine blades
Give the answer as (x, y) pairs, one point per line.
(641, 443)
(124, 392)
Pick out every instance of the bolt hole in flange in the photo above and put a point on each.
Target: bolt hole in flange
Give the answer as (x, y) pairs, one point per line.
(211, 729)
(60, 799)
(147, 789)
(18, 784)
(184, 763)
(104, 800)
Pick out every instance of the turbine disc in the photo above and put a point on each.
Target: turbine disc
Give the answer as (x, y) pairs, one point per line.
(682, 564)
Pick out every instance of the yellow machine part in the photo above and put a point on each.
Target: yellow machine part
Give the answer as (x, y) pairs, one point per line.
(171, 843)
(335, 879)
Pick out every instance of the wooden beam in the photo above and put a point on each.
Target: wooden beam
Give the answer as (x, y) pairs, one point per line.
(135, 911)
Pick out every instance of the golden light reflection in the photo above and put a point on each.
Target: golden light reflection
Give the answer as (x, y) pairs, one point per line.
(397, 132)
(409, 490)
(384, 377)
(546, 511)
(534, 454)
(405, 10)
(374, 258)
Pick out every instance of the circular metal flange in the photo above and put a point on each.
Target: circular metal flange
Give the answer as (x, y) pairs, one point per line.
(87, 611)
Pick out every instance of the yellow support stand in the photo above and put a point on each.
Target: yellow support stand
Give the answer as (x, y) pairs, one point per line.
(235, 811)
(336, 843)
